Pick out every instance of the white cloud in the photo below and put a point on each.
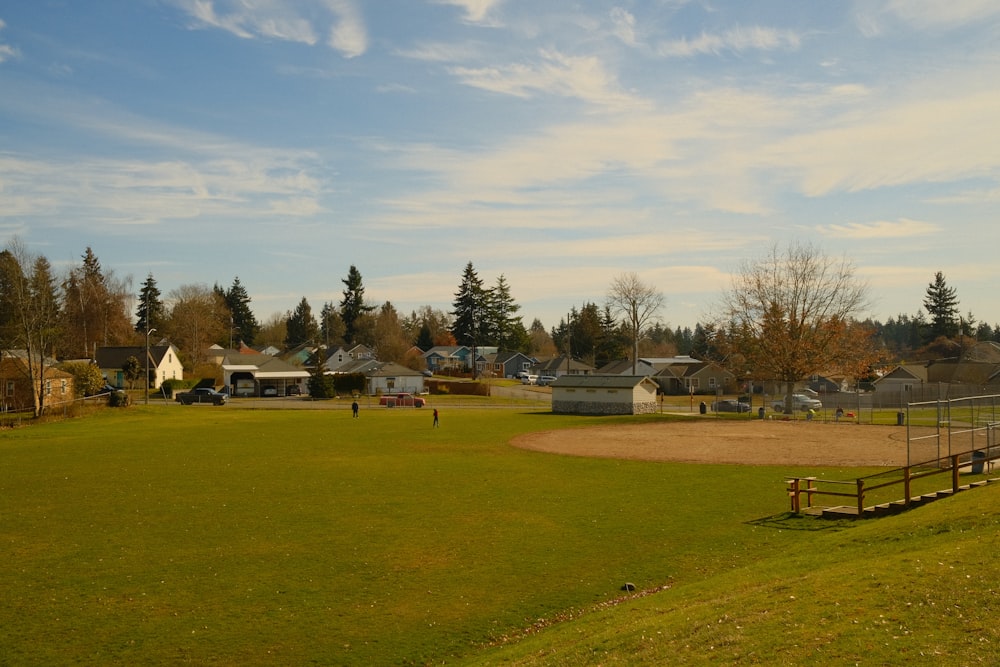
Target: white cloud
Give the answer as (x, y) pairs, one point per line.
(292, 22)
(925, 14)
(476, 11)
(348, 35)
(945, 132)
(624, 25)
(740, 39)
(6, 50)
(881, 229)
(584, 78)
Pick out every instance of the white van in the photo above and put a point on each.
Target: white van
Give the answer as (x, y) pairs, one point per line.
(529, 379)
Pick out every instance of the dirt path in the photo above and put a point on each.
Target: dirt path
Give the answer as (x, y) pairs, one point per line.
(753, 442)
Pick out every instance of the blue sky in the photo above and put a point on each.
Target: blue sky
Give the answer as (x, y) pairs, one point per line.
(558, 144)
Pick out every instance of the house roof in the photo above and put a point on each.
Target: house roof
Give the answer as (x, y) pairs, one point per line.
(603, 381)
(906, 372)
(624, 367)
(557, 364)
(115, 356)
(392, 369)
(263, 366)
(18, 359)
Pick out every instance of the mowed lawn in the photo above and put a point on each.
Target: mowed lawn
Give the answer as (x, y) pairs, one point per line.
(165, 534)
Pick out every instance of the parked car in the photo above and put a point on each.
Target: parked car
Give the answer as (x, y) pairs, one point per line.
(402, 400)
(269, 391)
(293, 390)
(529, 379)
(545, 380)
(730, 405)
(799, 402)
(201, 395)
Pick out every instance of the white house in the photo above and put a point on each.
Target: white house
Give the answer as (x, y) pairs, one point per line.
(163, 363)
(604, 395)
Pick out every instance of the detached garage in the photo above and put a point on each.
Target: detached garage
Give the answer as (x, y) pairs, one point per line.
(604, 395)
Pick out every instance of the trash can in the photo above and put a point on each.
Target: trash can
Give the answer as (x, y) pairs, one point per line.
(702, 408)
(978, 461)
(760, 412)
(900, 418)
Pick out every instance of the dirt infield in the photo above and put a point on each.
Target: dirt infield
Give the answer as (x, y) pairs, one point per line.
(753, 442)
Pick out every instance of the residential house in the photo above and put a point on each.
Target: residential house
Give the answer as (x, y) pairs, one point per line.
(902, 379)
(18, 389)
(389, 378)
(700, 377)
(625, 367)
(507, 364)
(342, 356)
(164, 363)
(448, 359)
(560, 366)
(604, 395)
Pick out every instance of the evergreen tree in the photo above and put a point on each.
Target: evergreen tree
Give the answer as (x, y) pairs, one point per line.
(614, 341)
(301, 326)
(941, 303)
(502, 315)
(425, 340)
(95, 308)
(242, 321)
(151, 313)
(469, 309)
(353, 306)
(331, 326)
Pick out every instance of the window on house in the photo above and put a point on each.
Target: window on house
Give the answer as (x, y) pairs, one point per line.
(711, 382)
(48, 387)
(692, 383)
(10, 387)
(65, 386)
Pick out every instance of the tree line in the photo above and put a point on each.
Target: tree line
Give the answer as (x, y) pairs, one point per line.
(773, 303)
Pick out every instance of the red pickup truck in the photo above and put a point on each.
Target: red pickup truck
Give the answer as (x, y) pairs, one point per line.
(402, 400)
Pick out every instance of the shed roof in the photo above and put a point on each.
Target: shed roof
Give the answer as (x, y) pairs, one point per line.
(603, 381)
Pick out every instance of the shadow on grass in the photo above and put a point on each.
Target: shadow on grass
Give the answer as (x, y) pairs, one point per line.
(792, 521)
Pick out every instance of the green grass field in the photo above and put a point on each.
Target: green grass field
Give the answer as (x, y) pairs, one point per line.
(162, 535)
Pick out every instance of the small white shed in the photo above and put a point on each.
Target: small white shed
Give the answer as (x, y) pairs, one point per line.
(604, 395)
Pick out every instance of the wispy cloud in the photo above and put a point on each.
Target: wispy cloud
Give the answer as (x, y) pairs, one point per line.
(583, 78)
(476, 11)
(881, 229)
(925, 14)
(623, 23)
(7, 52)
(740, 39)
(292, 22)
(348, 35)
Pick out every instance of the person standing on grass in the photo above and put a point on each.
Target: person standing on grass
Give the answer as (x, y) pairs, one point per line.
(436, 424)
(354, 409)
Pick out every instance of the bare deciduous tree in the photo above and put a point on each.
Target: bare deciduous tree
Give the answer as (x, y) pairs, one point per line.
(791, 314)
(637, 303)
(30, 308)
(199, 317)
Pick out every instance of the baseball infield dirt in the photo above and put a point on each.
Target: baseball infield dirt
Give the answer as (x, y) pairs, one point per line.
(752, 442)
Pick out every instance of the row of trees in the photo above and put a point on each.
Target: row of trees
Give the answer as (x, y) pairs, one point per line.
(791, 309)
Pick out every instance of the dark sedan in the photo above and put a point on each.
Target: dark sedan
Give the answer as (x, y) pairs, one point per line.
(730, 405)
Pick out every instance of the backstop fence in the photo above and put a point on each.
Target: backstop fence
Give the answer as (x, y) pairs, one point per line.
(940, 428)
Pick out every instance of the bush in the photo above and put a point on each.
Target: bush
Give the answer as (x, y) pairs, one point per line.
(118, 399)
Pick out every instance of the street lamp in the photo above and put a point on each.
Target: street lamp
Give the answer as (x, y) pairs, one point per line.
(147, 364)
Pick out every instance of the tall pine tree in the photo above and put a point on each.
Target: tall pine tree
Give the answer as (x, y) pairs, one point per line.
(469, 309)
(301, 326)
(243, 323)
(941, 303)
(150, 313)
(353, 306)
